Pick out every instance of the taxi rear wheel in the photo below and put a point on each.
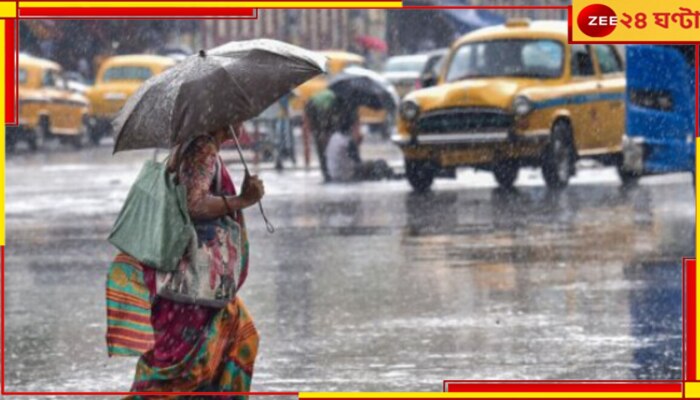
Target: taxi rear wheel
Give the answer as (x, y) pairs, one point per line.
(81, 139)
(628, 178)
(558, 157)
(96, 131)
(95, 137)
(39, 135)
(506, 172)
(420, 174)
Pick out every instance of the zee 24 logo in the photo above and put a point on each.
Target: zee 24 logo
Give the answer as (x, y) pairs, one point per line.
(597, 20)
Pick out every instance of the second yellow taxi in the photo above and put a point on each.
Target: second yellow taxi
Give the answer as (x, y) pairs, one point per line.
(118, 78)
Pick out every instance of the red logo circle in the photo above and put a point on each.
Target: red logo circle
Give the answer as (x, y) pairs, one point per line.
(597, 20)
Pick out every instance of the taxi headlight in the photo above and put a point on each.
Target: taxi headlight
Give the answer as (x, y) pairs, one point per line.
(522, 106)
(409, 111)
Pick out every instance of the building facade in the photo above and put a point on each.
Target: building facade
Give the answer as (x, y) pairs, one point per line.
(313, 29)
(340, 28)
(418, 30)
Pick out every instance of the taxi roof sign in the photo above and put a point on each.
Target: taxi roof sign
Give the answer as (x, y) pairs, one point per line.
(517, 22)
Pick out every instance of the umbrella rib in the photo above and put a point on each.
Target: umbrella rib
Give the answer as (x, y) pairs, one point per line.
(234, 81)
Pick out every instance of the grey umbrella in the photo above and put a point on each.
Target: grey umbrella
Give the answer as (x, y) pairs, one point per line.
(212, 90)
(363, 87)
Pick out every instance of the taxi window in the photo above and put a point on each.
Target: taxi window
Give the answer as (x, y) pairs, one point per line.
(51, 78)
(47, 79)
(23, 76)
(126, 74)
(581, 61)
(608, 59)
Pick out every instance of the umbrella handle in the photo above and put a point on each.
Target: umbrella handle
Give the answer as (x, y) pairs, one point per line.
(268, 225)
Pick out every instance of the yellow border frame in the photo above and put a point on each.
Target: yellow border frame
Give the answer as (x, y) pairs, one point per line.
(9, 10)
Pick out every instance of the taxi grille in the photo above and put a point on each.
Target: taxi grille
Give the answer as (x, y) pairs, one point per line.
(465, 121)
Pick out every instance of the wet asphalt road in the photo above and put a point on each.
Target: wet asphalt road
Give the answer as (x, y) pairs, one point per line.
(369, 287)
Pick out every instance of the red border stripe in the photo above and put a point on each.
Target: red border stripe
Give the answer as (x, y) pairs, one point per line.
(566, 387)
(115, 12)
(568, 23)
(228, 13)
(690, 330)
(146, 394)
(10, 71)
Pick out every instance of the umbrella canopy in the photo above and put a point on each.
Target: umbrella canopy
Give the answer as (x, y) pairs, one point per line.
(363, 87)
(211, 90)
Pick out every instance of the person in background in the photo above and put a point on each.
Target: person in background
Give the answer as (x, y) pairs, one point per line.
(319, 117)
(343, 150)
(283, 133)
(84, 68)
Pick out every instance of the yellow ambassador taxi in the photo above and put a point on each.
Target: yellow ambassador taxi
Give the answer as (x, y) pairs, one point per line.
(47, 107)
(118, 78)
(337, 61)
(515, 95)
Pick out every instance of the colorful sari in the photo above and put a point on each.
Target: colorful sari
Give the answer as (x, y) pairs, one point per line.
(182, 347)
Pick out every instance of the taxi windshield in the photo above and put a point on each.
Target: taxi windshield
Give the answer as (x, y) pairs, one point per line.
(126, 74)
(527, 58)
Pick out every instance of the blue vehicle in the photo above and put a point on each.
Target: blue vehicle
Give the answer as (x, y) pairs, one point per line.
(660, 111)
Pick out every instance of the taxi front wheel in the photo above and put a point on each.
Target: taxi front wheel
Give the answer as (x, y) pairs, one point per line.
(506, 172)
(558, 157)
(420, 174)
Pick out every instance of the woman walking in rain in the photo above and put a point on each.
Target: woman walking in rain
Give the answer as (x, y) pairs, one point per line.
(172, 292)
(193, 347)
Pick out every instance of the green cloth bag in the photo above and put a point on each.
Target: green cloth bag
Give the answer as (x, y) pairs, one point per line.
(154, 226)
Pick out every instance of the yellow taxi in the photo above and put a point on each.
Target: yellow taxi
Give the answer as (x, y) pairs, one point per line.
(47, 106)
(118, 78)
(337, 61)
(515, 95)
